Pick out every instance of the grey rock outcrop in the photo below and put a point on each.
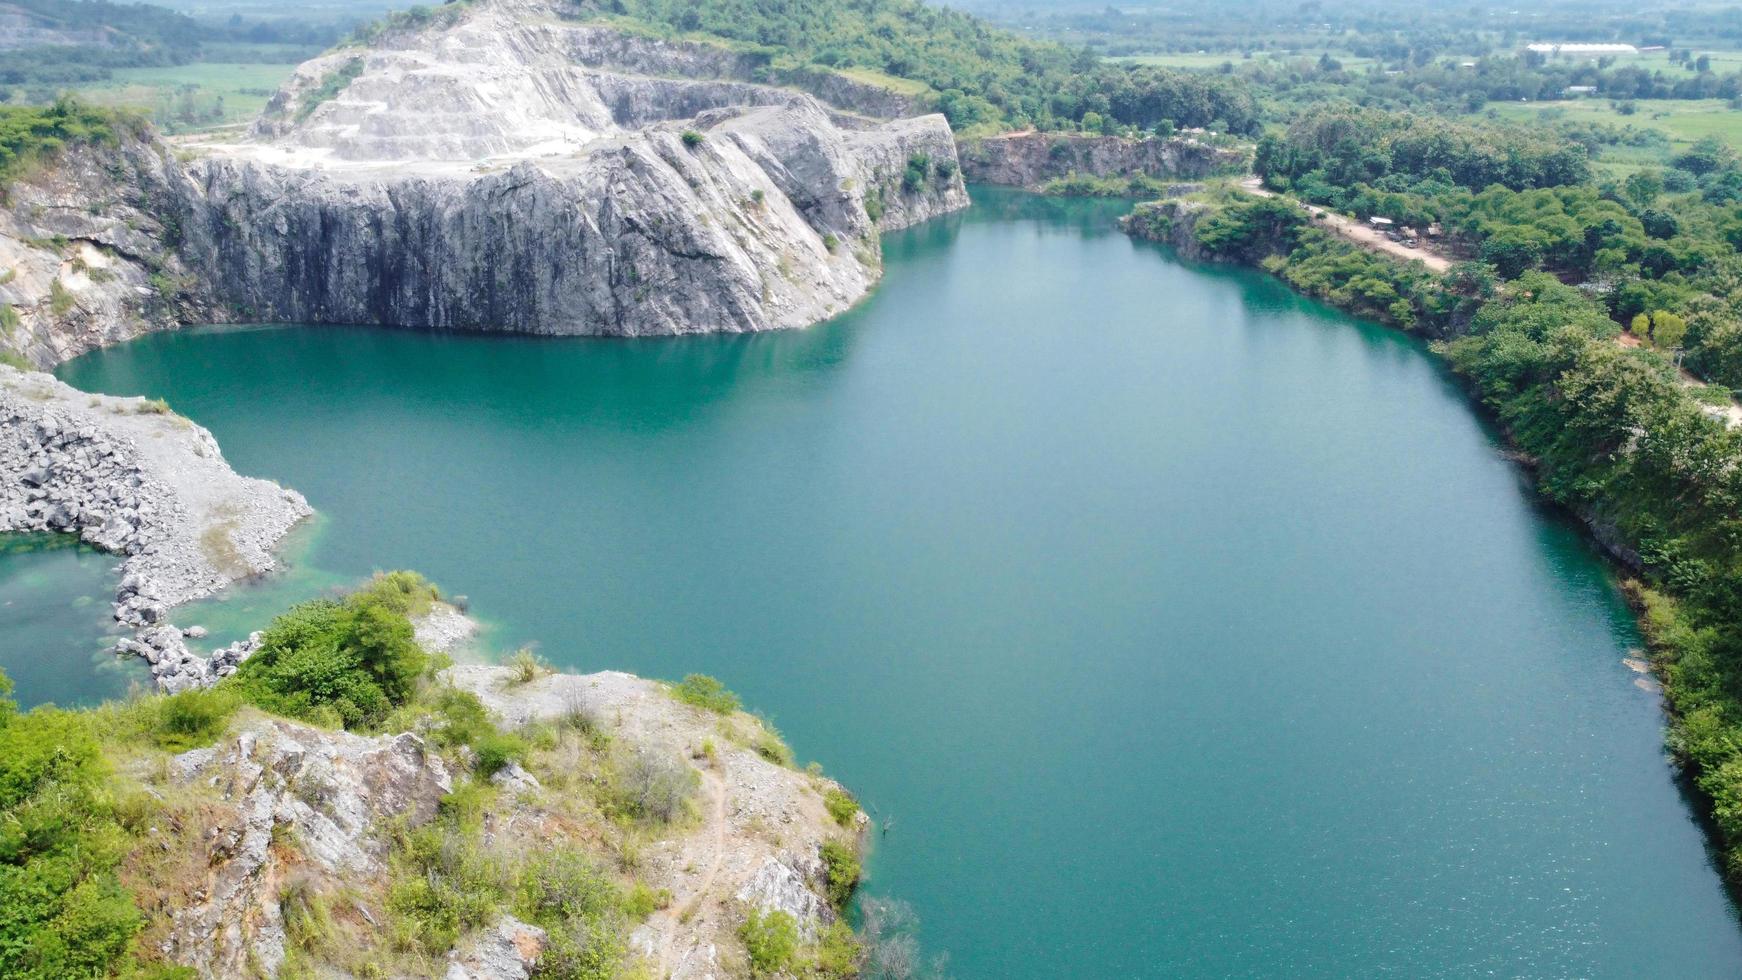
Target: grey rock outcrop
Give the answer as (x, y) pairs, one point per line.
(176, 668)
(87, 253)
(1030, 159)
(127, 476)
(330, 792)
(508, 950)
(512, 171)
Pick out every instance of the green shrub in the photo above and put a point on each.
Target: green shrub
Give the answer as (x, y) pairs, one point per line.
(443, 885)
(837, 954)
(643, 900)
(771, 939)
(917, 172)
(8, 319)
(841, 805)
(355, 659)
(63, 910)
(496, 750)
(692, 139)
(524, 667)
(582, 912)
(874, 204)
(30, 134)
(651, 785)
(843, 871)
(59, 300)
(194, 718)
(769, 745)
(329, 88)
(706, 692)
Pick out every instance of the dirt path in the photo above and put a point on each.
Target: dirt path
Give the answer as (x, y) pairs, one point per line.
(1730, 414)
(668, 921)
(1367, 237)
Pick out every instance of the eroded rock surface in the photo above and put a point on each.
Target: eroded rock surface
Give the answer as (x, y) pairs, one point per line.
(87, 251)
(129, 477)
(501, 169)
(511, 170)
(277, 782)
(762, 827)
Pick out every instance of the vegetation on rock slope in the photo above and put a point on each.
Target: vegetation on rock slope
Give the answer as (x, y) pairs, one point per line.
(81, 792)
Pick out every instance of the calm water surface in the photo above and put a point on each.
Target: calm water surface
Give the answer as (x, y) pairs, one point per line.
(1179, 626)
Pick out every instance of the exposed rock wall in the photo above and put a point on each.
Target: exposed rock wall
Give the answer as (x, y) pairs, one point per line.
(87, 252)
(1171, 222)
(330, 794)
(504, 169)
(1031, 159)
(763, 224)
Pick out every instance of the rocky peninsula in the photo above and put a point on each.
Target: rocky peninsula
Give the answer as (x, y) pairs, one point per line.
(128, 476)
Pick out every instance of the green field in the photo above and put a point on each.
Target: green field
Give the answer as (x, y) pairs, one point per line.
(1682, 120)
(194, 97)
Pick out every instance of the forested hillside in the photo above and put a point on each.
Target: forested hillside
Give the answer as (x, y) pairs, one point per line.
(977, 74)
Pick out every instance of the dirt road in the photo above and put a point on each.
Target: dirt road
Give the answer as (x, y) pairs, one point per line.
(1361, 234)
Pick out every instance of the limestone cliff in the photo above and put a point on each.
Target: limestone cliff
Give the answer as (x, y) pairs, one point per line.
(510, 170)
(87, 251)
(498, 168)
(1029, 159)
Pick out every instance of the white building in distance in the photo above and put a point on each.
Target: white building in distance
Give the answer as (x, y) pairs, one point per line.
(1581, 49)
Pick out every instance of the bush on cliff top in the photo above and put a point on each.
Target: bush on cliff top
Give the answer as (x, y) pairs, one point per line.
(349, 662)
(29, 134)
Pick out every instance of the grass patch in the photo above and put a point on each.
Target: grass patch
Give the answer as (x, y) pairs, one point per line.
(524, 667)
(771, 940)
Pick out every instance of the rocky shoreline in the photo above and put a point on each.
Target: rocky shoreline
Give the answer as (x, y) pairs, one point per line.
(129, 477)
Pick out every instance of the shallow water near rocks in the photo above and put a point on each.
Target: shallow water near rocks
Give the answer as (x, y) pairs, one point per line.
(56, 627)
(1178, 625)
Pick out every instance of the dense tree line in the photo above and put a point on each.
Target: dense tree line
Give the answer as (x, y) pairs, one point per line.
(1344, 148)
(979, 73)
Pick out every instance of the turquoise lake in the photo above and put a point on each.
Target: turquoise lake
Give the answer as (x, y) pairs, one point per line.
(1177, 625)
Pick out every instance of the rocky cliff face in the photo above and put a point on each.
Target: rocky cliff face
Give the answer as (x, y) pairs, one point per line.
(1172, 222)
(283, 824)
(499, 169)
(513, 171)
(761, 224)
(1032, 159)
(87, 253)
(289, 808)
